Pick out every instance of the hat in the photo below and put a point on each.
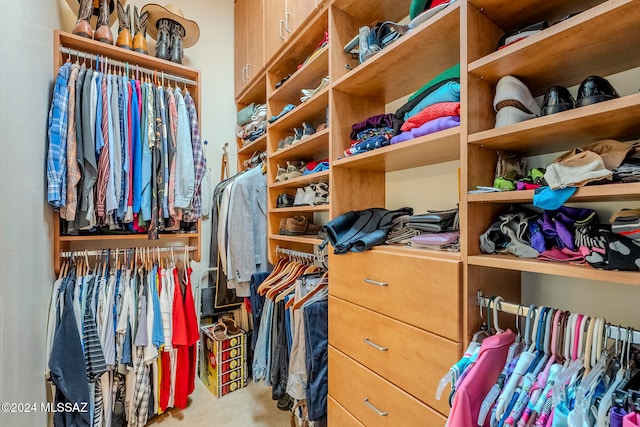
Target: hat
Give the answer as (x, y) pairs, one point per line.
(75, 6)
(419, 6)
(172, 12)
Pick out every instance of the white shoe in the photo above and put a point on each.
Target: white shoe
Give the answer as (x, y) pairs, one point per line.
(510, 115)
(299, 199)
(309, 195)
(512, 92)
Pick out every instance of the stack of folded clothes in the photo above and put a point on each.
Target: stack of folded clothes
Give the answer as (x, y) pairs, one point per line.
(372, 133)
(435, 229)
(252, 122)
(434, 107)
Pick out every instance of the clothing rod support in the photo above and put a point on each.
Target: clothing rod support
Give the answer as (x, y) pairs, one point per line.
(86, 55)
(101, 251)
(614, 331)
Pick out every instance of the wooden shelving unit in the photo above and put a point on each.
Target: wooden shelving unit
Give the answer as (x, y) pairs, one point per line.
(301, 181)
(431, 149)
(315, 146)
(615, 192)
(510, 262)
(64, 243)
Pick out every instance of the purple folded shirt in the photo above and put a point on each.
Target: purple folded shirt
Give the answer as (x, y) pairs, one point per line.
(430, 127)
(379, 121)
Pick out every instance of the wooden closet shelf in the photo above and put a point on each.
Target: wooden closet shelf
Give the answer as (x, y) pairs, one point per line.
(590, 193)
(302, 180)
(296, 49)
(255, 92)
(511, 262)
(307, 77)
(308, 240)
(313, 111)
(509, 15)
(410, 62)
(137, 237)
(294, 209)
(83, 44)
(374, 10)
(616, 118)
(315, 146)
(259, 144)
(425, 253)
(568, 52)
(430, 149)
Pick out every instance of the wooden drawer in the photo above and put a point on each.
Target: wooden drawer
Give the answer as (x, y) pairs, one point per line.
(424, 292)
(340, 417)
(414, 360)
(354, 386)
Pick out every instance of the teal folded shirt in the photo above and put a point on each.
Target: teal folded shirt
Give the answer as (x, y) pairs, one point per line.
(448, 92)
(448, 74)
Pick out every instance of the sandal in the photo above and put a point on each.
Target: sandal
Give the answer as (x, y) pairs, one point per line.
(229, 325)
(219, 331)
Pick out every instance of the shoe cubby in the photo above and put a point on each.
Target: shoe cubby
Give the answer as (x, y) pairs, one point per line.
(256, 93)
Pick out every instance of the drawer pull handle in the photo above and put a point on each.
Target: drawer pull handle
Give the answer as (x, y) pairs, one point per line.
(375, 282)
(376, 346)
(378, 411)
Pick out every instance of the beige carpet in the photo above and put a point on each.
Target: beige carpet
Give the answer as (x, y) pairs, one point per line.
(250, 406)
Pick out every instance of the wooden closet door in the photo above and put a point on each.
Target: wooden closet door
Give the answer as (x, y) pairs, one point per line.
(255, 38)
(240, 44)
(297, 12)
(274, 31)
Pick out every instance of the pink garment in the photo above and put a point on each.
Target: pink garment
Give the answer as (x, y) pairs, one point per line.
(631, 420)
(432, 112)
(484, 374)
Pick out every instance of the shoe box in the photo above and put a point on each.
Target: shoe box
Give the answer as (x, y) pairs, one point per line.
(223, 364)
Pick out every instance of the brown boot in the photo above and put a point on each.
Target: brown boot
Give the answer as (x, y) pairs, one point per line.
(177, 37)
(83, 27)
(140, 24)
(125, 40)
(103, 31)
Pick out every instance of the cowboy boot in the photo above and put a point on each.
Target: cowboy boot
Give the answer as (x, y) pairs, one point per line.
(177, 38)
(125, 40)
(140, 39)
(164, 39)
(103, 32)
(83, 27)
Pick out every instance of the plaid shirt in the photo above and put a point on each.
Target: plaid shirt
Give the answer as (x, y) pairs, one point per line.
(68, 211)
(57, 130)
(199, 161)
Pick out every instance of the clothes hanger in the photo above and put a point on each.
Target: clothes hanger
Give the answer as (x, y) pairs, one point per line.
(286, 281)
(282, 268)
(321, 284)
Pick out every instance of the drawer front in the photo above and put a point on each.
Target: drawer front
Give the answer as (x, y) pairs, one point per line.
(373, 400)
(424, 292)
(406, 356)
(340, 417)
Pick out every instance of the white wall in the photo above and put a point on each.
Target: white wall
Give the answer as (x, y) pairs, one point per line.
(26, 264)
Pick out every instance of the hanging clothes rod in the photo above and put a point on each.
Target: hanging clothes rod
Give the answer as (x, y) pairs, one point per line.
(102, 251)
(614, 331)
(86, 55)
(300, 254)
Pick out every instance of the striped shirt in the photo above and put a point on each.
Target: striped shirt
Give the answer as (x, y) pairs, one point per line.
(57, 132)
(199, 161)
(68, 211)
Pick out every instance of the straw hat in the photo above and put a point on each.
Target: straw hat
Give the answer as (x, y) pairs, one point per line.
(113, 16)
(174, 13)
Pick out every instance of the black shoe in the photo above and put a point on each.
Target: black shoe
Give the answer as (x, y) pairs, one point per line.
(284, 403)
(595, 89)
(557, 98)
(284, 201)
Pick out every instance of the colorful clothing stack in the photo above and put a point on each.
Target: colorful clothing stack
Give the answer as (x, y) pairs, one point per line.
(122, 343)
(434, 107)
(252, 122)
(124, 155)
(372, 133)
